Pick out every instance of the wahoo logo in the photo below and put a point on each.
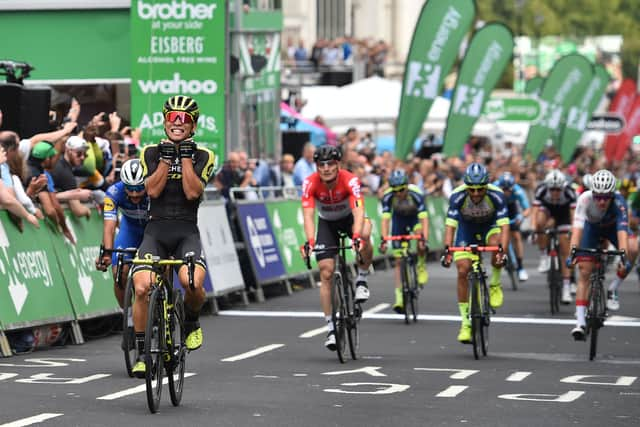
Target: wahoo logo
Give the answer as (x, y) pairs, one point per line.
(177, 85)
(176, 10)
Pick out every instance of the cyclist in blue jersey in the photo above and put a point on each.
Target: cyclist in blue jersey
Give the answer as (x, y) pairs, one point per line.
(601, 215)
(403, 207)
(477, 215)
(518, 208)
(130, 199)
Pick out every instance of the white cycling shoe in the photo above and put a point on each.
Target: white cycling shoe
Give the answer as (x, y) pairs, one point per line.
(362, 292)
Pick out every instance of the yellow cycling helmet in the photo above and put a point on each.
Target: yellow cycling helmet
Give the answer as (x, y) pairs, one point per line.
(182, 103)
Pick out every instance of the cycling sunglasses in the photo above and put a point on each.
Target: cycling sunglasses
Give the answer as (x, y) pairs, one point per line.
(326, 163)
(476, 188)
(134, 188)
(399, 188)
(185, 117)
(602, 197)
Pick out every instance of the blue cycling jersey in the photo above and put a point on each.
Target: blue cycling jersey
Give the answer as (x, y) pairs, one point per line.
(135, 215)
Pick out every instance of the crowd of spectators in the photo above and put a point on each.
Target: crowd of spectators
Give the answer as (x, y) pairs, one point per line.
(341, 51)
(72, 163)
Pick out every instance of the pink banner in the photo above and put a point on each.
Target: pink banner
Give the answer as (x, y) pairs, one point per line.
(622, 105)
(631, 128)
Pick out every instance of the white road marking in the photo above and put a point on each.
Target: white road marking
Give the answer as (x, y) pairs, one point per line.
(321, 330)
(31, 420)
(458, 374)
(452, 391)
(518, 376)
(266, 376)
(135, 390)
(437, 317)
(253, 353)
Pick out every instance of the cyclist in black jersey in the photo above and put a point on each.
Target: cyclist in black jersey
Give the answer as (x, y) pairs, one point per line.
(176, 171)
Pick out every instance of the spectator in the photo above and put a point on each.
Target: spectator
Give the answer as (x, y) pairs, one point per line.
(305, 165)
(301, 55)
(231, 175)
(282, 174)
(64, 181)
(8, 199)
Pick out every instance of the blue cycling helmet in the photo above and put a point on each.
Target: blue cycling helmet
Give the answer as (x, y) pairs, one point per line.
(398, 177)
(506, 181)
(476, 174)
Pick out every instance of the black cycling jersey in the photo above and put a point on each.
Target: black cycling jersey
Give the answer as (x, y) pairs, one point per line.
(172, 202)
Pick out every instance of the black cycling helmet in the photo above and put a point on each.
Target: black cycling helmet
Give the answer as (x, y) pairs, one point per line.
(327, 152)
(182, 103)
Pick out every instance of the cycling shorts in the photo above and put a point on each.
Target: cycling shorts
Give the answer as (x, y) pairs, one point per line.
(328, 235)
(472, 234)
(170, 238)
(129, 236)
(401, 226)
(592, 234)
(561, 215)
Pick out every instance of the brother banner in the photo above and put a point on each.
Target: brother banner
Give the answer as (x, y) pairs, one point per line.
(436, 40)
(567, 80)
(178, 48)
(487, 56)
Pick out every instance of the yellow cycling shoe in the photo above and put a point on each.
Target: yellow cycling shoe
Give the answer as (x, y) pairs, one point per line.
(194, 339)
(495, 296)
(423, 275)
(464, 336)
(139, 369)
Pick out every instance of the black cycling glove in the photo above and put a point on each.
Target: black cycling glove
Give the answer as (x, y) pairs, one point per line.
(167, 150)
(186, 149)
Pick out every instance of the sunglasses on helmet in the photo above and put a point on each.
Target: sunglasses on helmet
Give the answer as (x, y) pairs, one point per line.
(184, 117)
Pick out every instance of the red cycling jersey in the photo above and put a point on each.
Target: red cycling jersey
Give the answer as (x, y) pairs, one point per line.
(335, 203)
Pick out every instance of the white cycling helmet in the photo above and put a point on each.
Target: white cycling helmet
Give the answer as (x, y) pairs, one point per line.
(76, 143)
(555, 179)
(131, 173)
(586, 181)
(603, 182)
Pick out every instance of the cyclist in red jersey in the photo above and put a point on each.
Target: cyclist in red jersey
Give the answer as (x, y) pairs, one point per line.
(336, 194)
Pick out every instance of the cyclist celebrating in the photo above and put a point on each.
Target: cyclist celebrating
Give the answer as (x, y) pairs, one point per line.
(403, 207)
(336, 192)
(129, 197)
(601, 214)
(477, 215)
(553, 206)
(176, 171)
(518, 207)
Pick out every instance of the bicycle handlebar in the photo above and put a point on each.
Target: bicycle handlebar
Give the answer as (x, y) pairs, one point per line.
(308, 251)
(404, 237)
(592, 251)
(189, 261)
(474, 248)
(551, 231)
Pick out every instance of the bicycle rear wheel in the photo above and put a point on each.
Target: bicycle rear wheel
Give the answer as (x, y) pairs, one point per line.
(553, 279)
(475, 315)
(404, 271)
(154, 344)
(175, 369)
(338, 316)
(128, 335)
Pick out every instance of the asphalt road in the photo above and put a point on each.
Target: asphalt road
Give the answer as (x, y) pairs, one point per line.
(410, 375)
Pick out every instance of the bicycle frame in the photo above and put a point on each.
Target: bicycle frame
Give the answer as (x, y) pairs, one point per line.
(408, 275)
(554, 275)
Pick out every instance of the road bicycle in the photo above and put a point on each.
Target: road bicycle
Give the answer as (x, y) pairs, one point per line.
(597, 305)
(408, 276)
(128, 335)
(345, 311)
(554, 275)
(480, 310)
(165, 335)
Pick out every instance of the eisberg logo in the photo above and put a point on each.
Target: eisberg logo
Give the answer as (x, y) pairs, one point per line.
(176, 10)
(177, 85)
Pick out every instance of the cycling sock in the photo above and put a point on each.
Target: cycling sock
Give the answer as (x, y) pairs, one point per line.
(329, 323)
(129, 317)
(140, 342)
(362, 275)
(581, 308)
(463, 307)
(519, 262)
(398, 295)
(613, 287)
(566, 282)
(495, 276)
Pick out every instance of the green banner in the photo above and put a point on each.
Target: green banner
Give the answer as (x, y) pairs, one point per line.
(33, 291)
(179, 48)
(90, 290)
(434, 48)
(534, 86)
(567, 80)
(512, 109)
(580, 113)
(487, 56)
(286, 218)
(437, 208)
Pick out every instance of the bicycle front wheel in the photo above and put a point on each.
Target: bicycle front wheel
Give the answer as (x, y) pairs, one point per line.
(353, 318)
(338, 316)
(128, 335)
(414, 291)
(553, 279)
(404, 271)
(154, 345)
(486, 316)
(595, 317)
(512, 269)
(175, 368)
(475, 315)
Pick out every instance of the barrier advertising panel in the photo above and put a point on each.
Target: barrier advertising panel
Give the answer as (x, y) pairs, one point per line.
(261, 243)
(286, 217)
(32, 290)
(90, 290)
(219, 248)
